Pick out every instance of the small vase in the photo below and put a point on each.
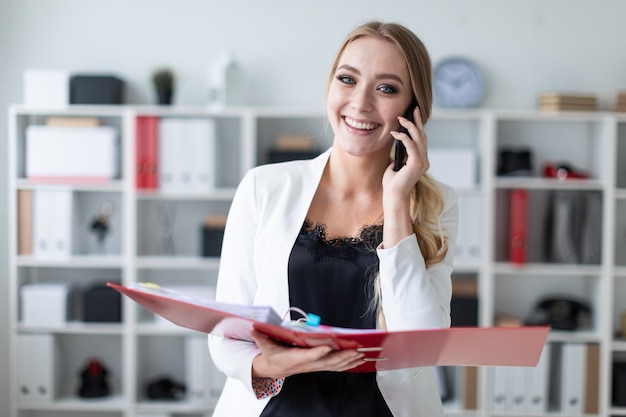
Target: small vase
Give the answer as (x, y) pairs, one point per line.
(164, 97)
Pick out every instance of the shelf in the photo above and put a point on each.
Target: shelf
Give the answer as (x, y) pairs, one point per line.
(246, 134)
(619, 345)
(176, 262)
(220, 194)
(102, 186)
(114, 403)
(172, 407)
(577, 336)
(75, 328)
(76, 261)
(547, 184)
(617, 411)
(505, 268)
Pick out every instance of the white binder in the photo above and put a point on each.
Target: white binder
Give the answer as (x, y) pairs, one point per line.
(52, 223)
(36, 367)
(537, 383)
(516, 388)
(187, 154)
(204, 382)
(573, 360)
(171, 153)
(498, 389)
(197, 370)
(468, 248)
(202, 154)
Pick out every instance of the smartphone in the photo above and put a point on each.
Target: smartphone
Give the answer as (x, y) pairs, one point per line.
(400, 150)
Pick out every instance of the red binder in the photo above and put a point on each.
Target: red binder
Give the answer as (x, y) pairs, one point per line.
(463, 346)
(147, 135)
(519, 226)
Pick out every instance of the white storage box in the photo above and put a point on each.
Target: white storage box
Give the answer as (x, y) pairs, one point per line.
(45, 304)
(71, 153)
(455, 167)
(46, 88)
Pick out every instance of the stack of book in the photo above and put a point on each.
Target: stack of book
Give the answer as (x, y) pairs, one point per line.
(567, 102)
(620, 103)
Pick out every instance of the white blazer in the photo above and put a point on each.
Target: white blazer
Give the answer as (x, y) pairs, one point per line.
(265, 217)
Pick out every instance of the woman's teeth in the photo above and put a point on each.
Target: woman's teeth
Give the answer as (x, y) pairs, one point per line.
(360, 125)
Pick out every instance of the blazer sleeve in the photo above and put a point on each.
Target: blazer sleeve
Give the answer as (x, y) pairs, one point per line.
(237, 281)
(414, 296)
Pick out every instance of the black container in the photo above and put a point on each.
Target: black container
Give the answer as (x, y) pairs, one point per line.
(96, 89)
(212, 240)
(619, 384)
(102, 304)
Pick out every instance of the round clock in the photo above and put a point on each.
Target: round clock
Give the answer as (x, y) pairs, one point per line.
(458, 82)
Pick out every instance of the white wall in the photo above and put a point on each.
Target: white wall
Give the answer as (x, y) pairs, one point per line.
(284, 48)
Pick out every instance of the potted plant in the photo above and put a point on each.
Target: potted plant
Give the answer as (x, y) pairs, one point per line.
(163, 80)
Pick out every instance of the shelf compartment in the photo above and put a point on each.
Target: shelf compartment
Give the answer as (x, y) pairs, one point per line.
(269, 127)
(112, 119)
(508, 299)
(586, 148)
(61, 377)
(162, 231)
(555, 227)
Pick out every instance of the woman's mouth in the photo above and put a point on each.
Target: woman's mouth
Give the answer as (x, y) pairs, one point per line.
(360, 125)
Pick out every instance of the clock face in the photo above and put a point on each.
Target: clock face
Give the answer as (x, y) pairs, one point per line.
(458, 82)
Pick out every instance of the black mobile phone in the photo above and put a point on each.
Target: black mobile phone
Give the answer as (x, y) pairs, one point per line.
(400, 150)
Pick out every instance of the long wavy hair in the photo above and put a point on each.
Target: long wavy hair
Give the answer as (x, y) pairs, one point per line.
(426, 201)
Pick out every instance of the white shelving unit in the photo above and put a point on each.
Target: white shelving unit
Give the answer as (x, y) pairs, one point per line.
(139, 348)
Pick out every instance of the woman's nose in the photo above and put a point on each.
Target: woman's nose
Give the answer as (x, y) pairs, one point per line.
(362, 99)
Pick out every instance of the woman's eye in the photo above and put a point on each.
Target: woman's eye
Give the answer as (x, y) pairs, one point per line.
(387, 89)
(346, 79)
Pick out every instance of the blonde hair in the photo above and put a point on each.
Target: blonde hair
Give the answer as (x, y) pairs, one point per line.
(426, 201)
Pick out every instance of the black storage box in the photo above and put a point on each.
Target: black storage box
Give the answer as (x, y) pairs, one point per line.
(102, 304)
(96, 89)
(278, 155)
(619, 384)
(212, 240)
(464, 311)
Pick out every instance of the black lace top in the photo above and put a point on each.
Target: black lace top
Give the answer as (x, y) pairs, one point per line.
(332, 278)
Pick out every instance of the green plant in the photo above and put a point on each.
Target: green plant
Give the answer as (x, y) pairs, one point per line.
(163, 79)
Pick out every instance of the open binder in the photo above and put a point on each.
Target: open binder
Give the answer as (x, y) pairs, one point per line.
(384, 350)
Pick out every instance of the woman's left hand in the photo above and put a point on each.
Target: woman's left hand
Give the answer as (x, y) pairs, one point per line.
(401, 182)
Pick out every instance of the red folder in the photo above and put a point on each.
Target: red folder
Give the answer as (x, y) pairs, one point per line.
(519, 226)
(385, 350)
(147, 130)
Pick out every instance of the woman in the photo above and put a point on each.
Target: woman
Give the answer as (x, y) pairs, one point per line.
(347, 237)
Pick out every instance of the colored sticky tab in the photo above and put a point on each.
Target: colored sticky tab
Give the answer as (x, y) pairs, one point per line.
(313, 319)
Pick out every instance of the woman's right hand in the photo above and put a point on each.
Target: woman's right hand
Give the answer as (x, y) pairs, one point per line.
(279, 361)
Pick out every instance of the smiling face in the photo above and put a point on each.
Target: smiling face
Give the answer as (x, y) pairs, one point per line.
(368, 91)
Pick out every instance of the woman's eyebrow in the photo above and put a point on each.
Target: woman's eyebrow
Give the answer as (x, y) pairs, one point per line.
(384, 76)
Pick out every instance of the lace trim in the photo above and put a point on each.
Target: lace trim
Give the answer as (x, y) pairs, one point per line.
(314, 238)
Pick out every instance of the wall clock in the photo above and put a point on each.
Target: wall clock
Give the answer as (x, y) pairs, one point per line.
(458, 82)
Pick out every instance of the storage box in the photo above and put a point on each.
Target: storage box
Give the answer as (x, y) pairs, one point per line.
(45, 304)
(46, 88)
(96, 89)
(80, 153)
(102, 304)
(455, 167)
